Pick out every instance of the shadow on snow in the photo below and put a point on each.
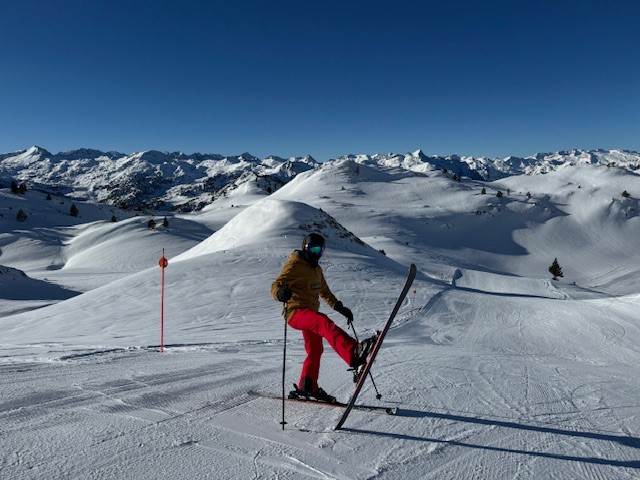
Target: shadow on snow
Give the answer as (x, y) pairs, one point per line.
(632, 442)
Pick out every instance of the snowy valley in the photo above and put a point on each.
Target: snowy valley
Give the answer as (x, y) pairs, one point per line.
(497, 370)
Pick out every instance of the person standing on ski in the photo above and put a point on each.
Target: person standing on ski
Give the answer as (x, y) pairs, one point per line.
(299, 287)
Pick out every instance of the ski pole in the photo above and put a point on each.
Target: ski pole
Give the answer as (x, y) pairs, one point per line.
(378, 394)
(284, 360)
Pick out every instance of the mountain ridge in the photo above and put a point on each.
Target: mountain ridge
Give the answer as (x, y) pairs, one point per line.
(186, 182)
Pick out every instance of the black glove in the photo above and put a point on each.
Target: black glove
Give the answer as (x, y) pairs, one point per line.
(284, 294)
(342, 310)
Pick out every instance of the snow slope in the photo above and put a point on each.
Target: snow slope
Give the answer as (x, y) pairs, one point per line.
(498, 371)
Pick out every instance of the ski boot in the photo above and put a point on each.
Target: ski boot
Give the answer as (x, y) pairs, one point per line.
(361, 351)
(361, 354)
(319, 395)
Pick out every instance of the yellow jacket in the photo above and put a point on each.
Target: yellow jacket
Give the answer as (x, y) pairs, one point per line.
(306, 282)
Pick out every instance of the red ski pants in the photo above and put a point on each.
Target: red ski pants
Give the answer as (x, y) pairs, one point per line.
(315, 326)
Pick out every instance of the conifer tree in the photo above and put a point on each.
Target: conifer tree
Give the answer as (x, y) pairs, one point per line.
(73, 211)
(555, 269)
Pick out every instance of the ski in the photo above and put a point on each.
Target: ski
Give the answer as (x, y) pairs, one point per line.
(372, 356)
(367, 408)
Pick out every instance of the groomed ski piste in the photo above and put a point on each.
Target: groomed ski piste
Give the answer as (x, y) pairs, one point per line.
(497, 371)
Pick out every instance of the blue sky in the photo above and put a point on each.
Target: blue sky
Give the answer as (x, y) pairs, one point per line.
(492, 78)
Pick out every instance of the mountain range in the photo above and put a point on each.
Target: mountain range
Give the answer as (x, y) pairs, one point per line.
(154, 180)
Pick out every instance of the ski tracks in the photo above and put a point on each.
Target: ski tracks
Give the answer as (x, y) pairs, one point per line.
(301, 452)
(521, 415)
(89, 419)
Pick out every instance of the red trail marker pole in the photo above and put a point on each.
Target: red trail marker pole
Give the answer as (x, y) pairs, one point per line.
(163, 264)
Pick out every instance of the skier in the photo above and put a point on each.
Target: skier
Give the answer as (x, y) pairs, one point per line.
(299, 286)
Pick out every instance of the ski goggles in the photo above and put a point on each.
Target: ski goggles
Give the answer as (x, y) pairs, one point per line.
(315, 249)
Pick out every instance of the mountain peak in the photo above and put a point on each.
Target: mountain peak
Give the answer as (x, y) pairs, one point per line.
(247, 157)
(154, 156)
(86, 153)
(35, 150)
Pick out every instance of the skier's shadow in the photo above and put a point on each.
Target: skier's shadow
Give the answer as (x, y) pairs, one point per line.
(632, 442)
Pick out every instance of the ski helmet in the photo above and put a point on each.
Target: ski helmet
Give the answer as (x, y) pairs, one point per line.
(313, 245)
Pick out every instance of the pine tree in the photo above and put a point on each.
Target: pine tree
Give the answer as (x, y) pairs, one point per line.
(151, 225)
(21, 216)
(14, 187)
(555, 269)
(73, 211)
(165, 223)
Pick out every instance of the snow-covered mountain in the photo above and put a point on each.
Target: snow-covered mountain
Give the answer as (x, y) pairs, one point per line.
(147, 180)
(176, 181)
(497, 370)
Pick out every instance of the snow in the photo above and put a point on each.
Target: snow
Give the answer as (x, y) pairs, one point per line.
(497, 371)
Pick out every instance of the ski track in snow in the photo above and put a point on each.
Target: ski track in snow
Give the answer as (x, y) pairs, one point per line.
(197, 413)
(517, 414)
